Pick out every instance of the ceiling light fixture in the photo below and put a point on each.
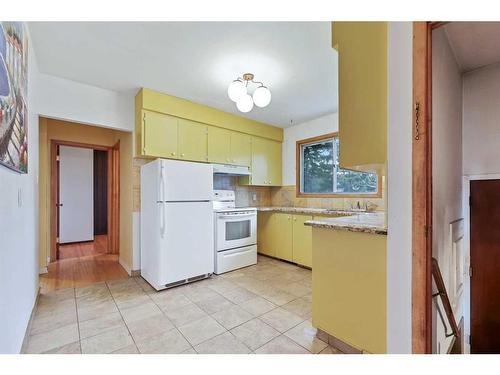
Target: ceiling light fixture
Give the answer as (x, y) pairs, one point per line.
(238, 92)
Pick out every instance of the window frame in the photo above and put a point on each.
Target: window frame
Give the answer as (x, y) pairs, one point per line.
(298, 173)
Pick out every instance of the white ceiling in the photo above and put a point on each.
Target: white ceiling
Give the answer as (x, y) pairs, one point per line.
(475, 44)
(198, 60)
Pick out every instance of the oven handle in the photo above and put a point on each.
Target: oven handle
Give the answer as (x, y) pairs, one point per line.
(231, 216)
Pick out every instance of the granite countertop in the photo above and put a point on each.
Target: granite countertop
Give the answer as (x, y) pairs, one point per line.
(306, 210)
(367, 222)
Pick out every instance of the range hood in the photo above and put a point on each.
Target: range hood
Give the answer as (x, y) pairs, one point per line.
(231, 170)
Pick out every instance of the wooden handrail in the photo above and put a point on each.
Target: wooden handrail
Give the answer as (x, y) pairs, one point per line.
(438, 278)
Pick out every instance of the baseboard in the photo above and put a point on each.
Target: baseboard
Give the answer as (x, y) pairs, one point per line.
(30, 322)
(135, 273)
(125, 266)
(43, 270)
(338, 344)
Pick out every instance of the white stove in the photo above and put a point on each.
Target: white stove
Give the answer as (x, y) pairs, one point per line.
(235, 233)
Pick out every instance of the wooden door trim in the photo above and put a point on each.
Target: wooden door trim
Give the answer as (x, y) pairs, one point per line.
(113, 194)
(422, 187)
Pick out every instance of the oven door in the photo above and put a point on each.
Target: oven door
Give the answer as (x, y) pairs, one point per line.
(236, 229)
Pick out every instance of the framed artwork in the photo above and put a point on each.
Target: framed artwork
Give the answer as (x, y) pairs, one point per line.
(13, 96)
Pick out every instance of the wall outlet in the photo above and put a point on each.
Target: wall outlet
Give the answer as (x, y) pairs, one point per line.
(254, 197)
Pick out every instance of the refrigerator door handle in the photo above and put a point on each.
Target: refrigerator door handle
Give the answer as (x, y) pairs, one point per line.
(163, 220)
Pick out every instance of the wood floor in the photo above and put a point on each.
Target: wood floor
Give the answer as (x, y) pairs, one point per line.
(80, 265)
(81, 249)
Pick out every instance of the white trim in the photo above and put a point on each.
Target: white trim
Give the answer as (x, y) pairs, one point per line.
(466, 215)
(43, 270)
(125, 266)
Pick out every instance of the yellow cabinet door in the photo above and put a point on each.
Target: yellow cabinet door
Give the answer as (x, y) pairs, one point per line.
(302, 240)
(192, 138)
(362, 75)
(219, 145)
(241, 149)
(283, 236)
(265, 231)
(266, 162)
(159, 135)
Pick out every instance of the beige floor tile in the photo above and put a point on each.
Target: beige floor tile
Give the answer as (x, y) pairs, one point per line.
(140, 312)
(281, 345)
(50, 321)
(297, 289)
(73, 348)
(151, 326)
(189, 351)
(201, 330)
(281, 319)
(300, 307)
(254, 333)
(239, 295)
(144, 285)
(97, 288)
(185, 315)
(198, 293)
(225, 343)
(258, 306)
(100, 325)
(96, 310)
(56, 338)
(214, 304)
(232, 317)
(222, 285)
(56, 297)
(131, 349)
(278, 297)
(170, 342)
(107, 342)
(305, 335)
(330, 350)
(132, 299)
(55, 307)
(170, 300)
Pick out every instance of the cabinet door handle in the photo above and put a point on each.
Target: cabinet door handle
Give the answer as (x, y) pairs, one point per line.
(172, 153)
(182, 155)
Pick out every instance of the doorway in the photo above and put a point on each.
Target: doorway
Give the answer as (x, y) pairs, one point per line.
(485, 259)
(84, 197)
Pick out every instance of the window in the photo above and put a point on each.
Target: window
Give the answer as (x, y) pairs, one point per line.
(319, 172)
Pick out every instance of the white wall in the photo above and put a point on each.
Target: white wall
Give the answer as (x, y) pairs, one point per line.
(446, 164)
(69, 100)
(323, 125)
(399, 187)
(19, 233)
(481, 114)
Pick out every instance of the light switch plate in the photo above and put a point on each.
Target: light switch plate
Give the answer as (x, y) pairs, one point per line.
(20, 197)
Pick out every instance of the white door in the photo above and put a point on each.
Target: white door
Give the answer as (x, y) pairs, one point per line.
(76, 194)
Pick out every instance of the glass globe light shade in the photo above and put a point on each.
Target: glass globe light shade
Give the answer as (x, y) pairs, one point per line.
(262, 96)
(245, 104)
(236, 90)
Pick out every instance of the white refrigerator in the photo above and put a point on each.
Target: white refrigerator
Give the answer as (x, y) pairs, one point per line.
(177, 230)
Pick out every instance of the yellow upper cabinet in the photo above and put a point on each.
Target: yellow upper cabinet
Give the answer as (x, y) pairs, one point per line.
(192, 140)
(159, 135)
(266, 162)
(241, 149)
(362, 82)
(219, 145)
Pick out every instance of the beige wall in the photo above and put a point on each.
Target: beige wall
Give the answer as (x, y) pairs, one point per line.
(446, 162)
(481, 132)
(67, 131)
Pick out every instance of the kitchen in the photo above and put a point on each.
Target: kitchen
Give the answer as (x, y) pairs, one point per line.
(221, 213)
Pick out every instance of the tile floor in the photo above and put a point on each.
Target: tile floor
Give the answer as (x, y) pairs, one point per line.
(264, 308)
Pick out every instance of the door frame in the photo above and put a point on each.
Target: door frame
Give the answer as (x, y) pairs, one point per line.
(113, 212)
(422, 186)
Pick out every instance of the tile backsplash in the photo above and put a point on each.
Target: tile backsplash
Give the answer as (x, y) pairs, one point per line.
(260, 196)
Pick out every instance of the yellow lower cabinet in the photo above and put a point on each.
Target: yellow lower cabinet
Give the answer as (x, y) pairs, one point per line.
(284, 237)
(265, 231)
(302, 240)
(219, 145)
(192, 140)
(159, 135)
